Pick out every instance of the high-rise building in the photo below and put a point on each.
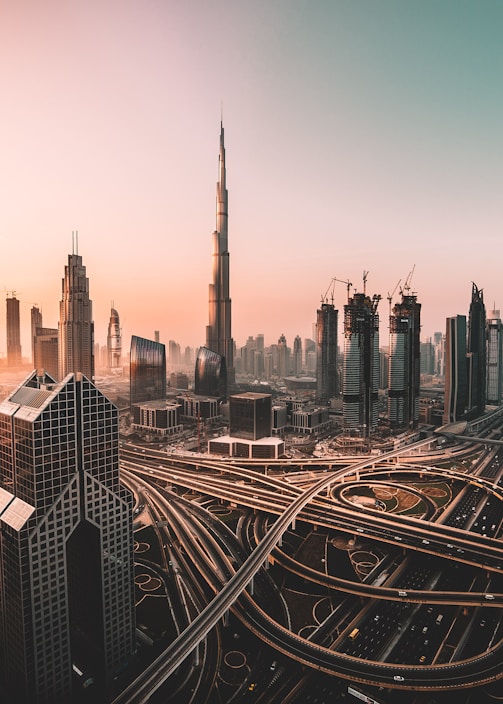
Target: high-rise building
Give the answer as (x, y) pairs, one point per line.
(114, 341)
(13, 332)
(218, 330)
(494, 358)
(66, 541)
(476, 350)
(36, 322)
(326, 352)
(283, 366)
(297, 356)
(456, 384)
(147, 370)
(250, 415)
(360, 384)
(210, 378)
(46, 351)
(76, 326)
(404, 363)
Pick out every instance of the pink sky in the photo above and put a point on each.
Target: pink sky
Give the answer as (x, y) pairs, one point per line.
(359, 136)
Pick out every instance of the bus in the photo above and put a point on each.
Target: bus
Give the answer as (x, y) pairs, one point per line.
(354, 633)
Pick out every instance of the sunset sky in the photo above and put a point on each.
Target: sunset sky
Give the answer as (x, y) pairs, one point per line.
(360, 135)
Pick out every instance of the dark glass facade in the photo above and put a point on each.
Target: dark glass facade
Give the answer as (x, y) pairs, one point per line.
(66, 541)
(211, 374)
(250, 416)
(147, 370)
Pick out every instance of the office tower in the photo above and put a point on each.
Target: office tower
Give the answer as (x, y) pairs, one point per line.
(297, 356)
(494, 358)
(439, 345)
(361, 364)
(476, 350)
(157, 336)
(404, 363)
(456, 383)
(210, 377)
(283, 357)
(427, 357)
(114, 341)
(36, 322)
(13, 332)
(76, 327)
(46, 350)
(218, 331)
(250, 415)
(383, 367)
(326, 352)
(66, 541)
(147, 370)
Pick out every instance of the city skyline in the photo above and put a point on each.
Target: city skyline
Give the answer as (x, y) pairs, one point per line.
(358, 136)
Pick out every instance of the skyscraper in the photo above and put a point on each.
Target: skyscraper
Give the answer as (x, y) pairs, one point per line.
(13, 332)
(147, 370)
(36, 322)
(297, 356)
(46, 351)
(210, 378)
(76, 326)
(361, 364)
(494, 358)
(114, 341)
(477, 356)
(283, 357)
(218, 331)
(66, 541)
(456, 385)
(404, 363)
(326, 352)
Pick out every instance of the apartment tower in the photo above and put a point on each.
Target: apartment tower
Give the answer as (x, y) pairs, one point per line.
(66, 542)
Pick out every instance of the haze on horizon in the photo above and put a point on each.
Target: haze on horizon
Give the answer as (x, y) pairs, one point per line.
(359, 136)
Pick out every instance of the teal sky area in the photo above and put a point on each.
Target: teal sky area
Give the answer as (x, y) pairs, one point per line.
(361, 135)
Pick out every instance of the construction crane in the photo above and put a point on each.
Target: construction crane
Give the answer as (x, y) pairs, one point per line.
(365, 274)
(390, 295)
(347, 282)
(406, 286)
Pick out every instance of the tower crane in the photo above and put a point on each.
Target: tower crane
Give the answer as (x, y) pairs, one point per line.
(365, 274)
(390, 295)
(348, 284)
(406, 286)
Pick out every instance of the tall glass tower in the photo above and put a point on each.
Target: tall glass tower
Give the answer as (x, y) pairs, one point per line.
(66, 541)
(218, 330)
(76, 326)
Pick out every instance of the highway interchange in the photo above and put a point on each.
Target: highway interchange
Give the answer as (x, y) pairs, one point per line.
(424, 617)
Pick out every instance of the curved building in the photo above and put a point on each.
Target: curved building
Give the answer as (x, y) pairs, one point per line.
(147, 370)
(211, 374)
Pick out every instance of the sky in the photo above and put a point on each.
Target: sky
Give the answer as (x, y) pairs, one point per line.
(360, 135)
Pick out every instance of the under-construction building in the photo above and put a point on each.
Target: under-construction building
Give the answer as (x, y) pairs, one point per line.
(404, 363)
(326, 352)
(476, 353)
(361, 364)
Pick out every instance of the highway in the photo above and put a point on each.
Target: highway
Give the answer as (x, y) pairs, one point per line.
(290, 506)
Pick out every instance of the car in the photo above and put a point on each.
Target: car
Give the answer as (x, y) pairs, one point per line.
(425, 542)
(252, 686)
(489, 597)
(422, 658)
(402, 593)
(398, 678)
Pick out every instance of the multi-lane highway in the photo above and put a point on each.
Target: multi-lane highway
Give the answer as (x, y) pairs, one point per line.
(318, 503)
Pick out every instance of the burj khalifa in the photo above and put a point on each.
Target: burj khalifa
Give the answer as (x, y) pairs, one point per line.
(218, 330)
